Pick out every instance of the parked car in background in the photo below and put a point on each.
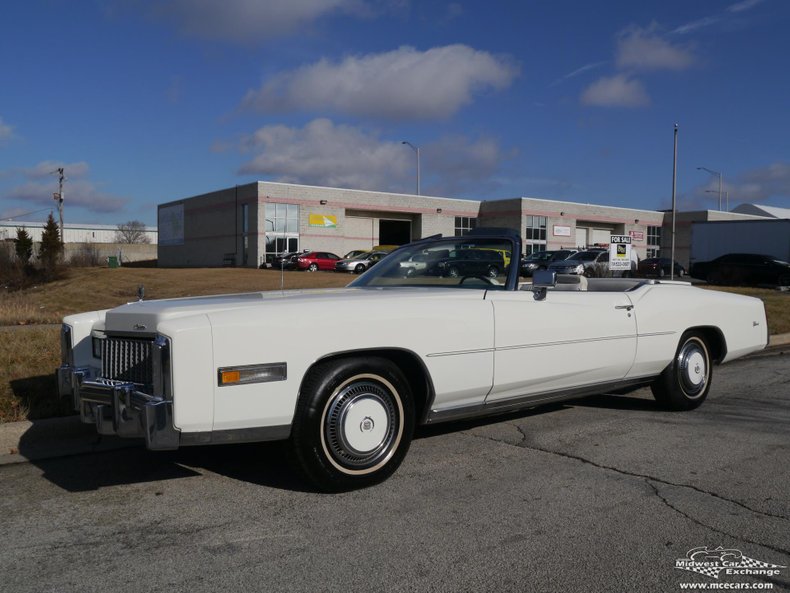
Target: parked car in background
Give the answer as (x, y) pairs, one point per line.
(423, 263)
(593, 262)
(286, 259)
(316, 260)
(540, 260)
(361, 262)
(354, 252)
(748, 269)
(471, 262)
(659, 267)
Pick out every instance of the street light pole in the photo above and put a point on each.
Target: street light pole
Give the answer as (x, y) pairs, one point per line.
(417, 150)
(674, 188)
(713, 173)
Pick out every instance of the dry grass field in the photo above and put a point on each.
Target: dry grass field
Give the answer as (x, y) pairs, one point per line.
(29, 349)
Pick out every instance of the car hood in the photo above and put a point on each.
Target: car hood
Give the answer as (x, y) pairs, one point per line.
(145, 316)
(565, 263)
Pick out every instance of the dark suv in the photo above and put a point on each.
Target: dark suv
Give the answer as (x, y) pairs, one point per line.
(471, 262)
(743, 268)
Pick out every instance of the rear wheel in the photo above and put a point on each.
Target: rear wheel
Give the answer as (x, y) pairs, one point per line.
(354, 423)
(685, 383)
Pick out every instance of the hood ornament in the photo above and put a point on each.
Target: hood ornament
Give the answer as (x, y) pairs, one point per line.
(140, 292)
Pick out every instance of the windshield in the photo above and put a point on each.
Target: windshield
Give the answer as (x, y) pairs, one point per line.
(459, 262)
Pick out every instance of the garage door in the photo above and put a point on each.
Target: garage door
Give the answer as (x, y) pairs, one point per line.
(601, 236)
(581, 237)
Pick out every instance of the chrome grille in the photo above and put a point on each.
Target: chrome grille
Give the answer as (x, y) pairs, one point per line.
(128, 359)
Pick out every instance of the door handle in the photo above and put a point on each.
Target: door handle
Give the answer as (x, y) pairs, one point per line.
(626, 307)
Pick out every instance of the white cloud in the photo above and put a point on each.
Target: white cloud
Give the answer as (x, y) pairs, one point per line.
(248, 21)
(335, 155)
(400, 84)
(743, 5)
(760, 184)
(49, 168)
(323, 153)
(616, 91)
(578, 71)
(696, 25)
(6, 131)
(79, 191)
(644, 49)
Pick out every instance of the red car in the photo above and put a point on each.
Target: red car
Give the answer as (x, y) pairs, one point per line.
(316, 260)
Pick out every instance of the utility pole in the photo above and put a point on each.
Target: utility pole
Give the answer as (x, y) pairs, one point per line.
(674, 186)
(58, 197)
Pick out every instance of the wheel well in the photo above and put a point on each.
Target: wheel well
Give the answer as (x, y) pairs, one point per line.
(714, 339)
(410, 365)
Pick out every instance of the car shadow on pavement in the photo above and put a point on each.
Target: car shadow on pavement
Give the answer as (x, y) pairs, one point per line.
(612, 401)
(432, 430)
(263, 464)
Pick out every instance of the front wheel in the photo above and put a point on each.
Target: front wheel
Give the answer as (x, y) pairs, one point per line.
(685, 383)
(354, 423)
(312, 268)
(359, 268)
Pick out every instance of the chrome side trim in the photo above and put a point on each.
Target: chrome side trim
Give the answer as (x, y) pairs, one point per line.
(529, 401)
(653, 334)
(565, 342)
(459, 352)
(239, 435)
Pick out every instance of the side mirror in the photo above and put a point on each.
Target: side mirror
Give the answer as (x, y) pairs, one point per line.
(541, 280)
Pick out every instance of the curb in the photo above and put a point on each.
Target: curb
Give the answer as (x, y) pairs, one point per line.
(21, 442)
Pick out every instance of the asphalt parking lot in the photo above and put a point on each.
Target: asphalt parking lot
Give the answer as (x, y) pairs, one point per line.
(603, 494)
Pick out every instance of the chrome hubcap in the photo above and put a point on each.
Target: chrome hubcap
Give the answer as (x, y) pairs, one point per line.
(362, 427)
(693, 368)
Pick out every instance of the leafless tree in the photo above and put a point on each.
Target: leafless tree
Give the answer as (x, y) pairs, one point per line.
(131, 232)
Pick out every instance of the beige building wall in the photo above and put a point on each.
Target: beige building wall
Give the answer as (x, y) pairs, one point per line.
(570, 224)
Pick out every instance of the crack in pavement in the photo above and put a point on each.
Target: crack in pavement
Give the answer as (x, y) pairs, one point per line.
(649, 479)
(710, 527)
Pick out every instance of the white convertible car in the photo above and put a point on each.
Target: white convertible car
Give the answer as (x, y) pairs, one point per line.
(424, 347)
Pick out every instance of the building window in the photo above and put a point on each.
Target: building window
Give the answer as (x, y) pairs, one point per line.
(282, 229)
(653, 241)
(464, 224)
(535, 234)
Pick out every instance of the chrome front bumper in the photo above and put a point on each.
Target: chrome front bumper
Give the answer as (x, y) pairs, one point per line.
(119, 408)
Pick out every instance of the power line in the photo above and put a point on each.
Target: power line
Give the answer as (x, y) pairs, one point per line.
(25, 214)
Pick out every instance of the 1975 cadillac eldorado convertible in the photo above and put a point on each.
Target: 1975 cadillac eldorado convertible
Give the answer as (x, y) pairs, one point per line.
(345, 375)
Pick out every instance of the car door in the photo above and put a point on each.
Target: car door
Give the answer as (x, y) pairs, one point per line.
(568, 340)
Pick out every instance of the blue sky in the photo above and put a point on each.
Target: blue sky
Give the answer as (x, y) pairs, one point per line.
(145, 101)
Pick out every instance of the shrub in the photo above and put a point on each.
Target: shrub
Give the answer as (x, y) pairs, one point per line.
(85, 257)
